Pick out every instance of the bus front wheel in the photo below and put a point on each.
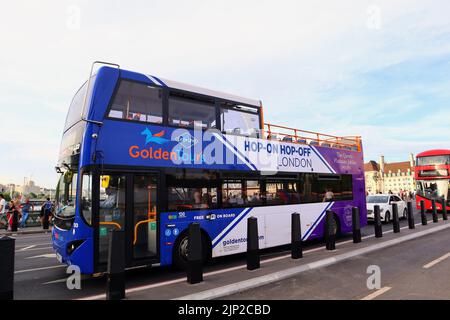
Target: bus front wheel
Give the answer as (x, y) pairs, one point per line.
(180, 251)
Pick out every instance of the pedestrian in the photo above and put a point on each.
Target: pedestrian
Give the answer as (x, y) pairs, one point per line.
(47, 206)
(3, 219)
(25, 212)
(13, 216)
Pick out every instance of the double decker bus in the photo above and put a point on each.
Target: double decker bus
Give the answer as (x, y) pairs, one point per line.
(432, 174)
(150, 156)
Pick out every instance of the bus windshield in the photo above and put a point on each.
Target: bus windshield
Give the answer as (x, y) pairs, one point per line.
(433, 160)
(434, 189)
(65, 195)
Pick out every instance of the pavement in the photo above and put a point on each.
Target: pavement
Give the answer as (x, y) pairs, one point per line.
(416, 269)
(39, 276)
(27, 230)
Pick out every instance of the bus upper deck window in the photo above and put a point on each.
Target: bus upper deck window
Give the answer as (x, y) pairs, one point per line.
(136, 101)
(240, 120)
(191, 112)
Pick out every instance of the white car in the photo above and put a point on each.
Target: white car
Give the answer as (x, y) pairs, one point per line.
(385, 202)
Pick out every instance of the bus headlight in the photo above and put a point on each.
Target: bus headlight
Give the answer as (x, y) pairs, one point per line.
(72, 246)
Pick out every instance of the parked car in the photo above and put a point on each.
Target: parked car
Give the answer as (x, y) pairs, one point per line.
(385, 202)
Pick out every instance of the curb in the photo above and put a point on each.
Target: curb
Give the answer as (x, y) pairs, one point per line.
(9, 233)
(288, 273)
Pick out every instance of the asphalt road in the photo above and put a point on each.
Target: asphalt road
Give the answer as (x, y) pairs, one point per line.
(38, 275)
(416, 269)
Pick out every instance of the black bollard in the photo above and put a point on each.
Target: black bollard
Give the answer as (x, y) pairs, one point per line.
(330, 229)
(356, 226)
(377, 222)
(115, 289)
(7, 250)
(434, 211)
(411, 224)
(296, 237)
(444, 209)
(252, 244)
(15, 221)
(195, 254)
(395, 220)
(423, 216)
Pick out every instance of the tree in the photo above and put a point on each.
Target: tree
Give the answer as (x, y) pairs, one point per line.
(32, 195)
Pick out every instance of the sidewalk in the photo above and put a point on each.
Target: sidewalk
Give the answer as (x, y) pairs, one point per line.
(27, 230)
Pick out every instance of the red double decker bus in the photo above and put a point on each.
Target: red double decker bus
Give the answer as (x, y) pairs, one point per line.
(432, 174)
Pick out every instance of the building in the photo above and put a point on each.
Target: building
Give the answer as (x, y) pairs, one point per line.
(383, 177)
(29, 186)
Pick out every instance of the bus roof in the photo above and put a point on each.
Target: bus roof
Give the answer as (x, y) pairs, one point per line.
(190, 88)
(435, 152)
(207, 92)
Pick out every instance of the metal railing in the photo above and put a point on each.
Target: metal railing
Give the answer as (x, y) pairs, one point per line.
(286, 134)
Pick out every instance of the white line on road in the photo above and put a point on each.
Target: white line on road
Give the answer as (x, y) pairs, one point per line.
(55, 281)
(38, 269)
(377, 293)
(436, 261)
(33, 249)
(47, 255)
(26, 248)
(20, 246)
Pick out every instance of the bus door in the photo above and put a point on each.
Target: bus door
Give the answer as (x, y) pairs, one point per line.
(111, 210)
(144, 229)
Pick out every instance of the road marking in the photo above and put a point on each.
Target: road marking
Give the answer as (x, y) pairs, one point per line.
(55, 281)
(33, 249)
(26, 248)
(47, 255)
(377, 293)
(161, 284)
(38, 269)
(35, 244)
(436, 261)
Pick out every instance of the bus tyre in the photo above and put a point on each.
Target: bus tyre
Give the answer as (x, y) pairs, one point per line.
(180, 251)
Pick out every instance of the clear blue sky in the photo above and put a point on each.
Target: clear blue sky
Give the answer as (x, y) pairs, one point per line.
(377, 69)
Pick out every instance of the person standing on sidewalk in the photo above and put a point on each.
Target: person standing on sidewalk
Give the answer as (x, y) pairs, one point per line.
(3, 219)
(25, 212)
(13, 216)
(47, 213)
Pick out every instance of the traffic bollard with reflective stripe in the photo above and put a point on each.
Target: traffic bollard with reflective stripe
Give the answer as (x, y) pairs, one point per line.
(356, 225)
(194, 254)
(377, 222)
(330, 231)
(434, 211)
(116, 266)
(253, 260)
(7, 250)
(444, 209)
(296, 237)
(395, 220)
(410, 216)
(423, 216)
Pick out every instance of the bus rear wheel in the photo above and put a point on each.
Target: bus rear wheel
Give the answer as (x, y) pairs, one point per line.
(180, 251)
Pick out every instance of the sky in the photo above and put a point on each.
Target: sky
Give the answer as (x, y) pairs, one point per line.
(379, 69)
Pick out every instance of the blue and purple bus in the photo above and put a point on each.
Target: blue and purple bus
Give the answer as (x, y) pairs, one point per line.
(149, 156)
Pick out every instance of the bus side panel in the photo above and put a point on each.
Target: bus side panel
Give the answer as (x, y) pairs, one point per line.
(172, 224)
